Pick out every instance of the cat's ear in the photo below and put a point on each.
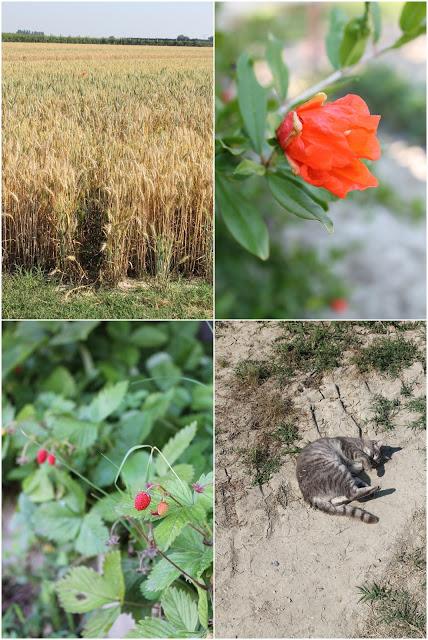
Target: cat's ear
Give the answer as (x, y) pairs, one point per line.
(379, 443)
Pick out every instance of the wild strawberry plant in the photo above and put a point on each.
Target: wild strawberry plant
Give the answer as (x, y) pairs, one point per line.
(303, 150)
(108, 445)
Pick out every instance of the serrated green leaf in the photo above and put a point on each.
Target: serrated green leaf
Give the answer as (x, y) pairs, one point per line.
(56, 522)
(153, 628)
(252, 100)
(180, 609)
(162, 368)
(175, 447)
(38, 485)
(93, 536)
(179, 490)
(80, 433)
(99, 623)
(242, 219)
(60, 382)
(203, 607)
(107, 401)
(74, 496)
(205, 499)
(184, 471)
(164, 573)
(277, 66)
(249, 168)
(83, 590)
(337, 21)
(296, 201)
(172, 524)
(113, 573)
(106, 507)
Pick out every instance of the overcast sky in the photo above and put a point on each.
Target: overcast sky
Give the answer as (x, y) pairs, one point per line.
(132, 19)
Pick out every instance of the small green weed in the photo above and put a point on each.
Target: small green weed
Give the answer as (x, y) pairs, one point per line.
(253, 371)
(387, 355)
(265, 464)
(288, 434)
(314, 346)
(384, 411)
(418, 405)
(395, 607)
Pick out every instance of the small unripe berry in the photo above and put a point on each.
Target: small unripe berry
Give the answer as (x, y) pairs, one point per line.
(42, 455)
(142, 501)
(51, 459)
(162, 508)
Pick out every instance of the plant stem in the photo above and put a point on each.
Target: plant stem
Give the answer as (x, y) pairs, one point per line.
(331, 79)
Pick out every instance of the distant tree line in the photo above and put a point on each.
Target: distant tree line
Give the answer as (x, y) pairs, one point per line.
(38, 36)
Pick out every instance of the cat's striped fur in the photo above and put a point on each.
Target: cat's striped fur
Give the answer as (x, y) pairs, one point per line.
(327, 472)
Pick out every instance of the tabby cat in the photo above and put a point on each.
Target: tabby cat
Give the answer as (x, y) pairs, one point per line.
(327, 472)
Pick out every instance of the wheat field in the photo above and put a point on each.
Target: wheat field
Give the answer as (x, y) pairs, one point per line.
(107, 160)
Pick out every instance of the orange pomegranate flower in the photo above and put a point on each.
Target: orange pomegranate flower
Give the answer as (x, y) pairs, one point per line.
(324, 143)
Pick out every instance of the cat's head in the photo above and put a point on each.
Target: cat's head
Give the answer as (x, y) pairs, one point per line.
(372, 448)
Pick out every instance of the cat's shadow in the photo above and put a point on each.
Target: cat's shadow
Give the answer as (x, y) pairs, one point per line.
(386, 455)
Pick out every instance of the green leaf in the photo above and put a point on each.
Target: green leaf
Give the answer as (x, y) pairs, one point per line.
(252, 100)
(354, 41)
(205, 499)
(412, 16)
(249, 168)
(175, 447)
(38, 486)
(236, 145)
(148, 336)
(179, 490)
(338, 19)
(153, 628)
(202, 398)
(161, 367)
(203, 607)
(277, 66)
(83, 590)
(180, 609)
(99, 623)
(169, 528)
(242, 219)
(409, 35)
(74, 497)
(296, 201)
(376, 16)
(107, 401)
(134, 471)
(60, 382)
(82, 434)
(107, 507)
(164, 573)
(57, 522)
(74, 331)
(93, 536)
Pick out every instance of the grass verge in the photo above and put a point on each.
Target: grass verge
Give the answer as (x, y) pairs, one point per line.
(31, 295)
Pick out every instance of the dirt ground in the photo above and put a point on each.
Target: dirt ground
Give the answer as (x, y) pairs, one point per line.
(284, 569)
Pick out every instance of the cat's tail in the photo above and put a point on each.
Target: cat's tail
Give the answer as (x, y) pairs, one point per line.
(344, 510)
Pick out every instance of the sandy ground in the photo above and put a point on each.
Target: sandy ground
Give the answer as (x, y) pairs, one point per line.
(284, 569)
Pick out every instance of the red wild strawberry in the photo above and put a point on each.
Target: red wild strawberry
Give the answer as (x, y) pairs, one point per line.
(339, 305)
(51, 459)
(142, 501)
(42, 455)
